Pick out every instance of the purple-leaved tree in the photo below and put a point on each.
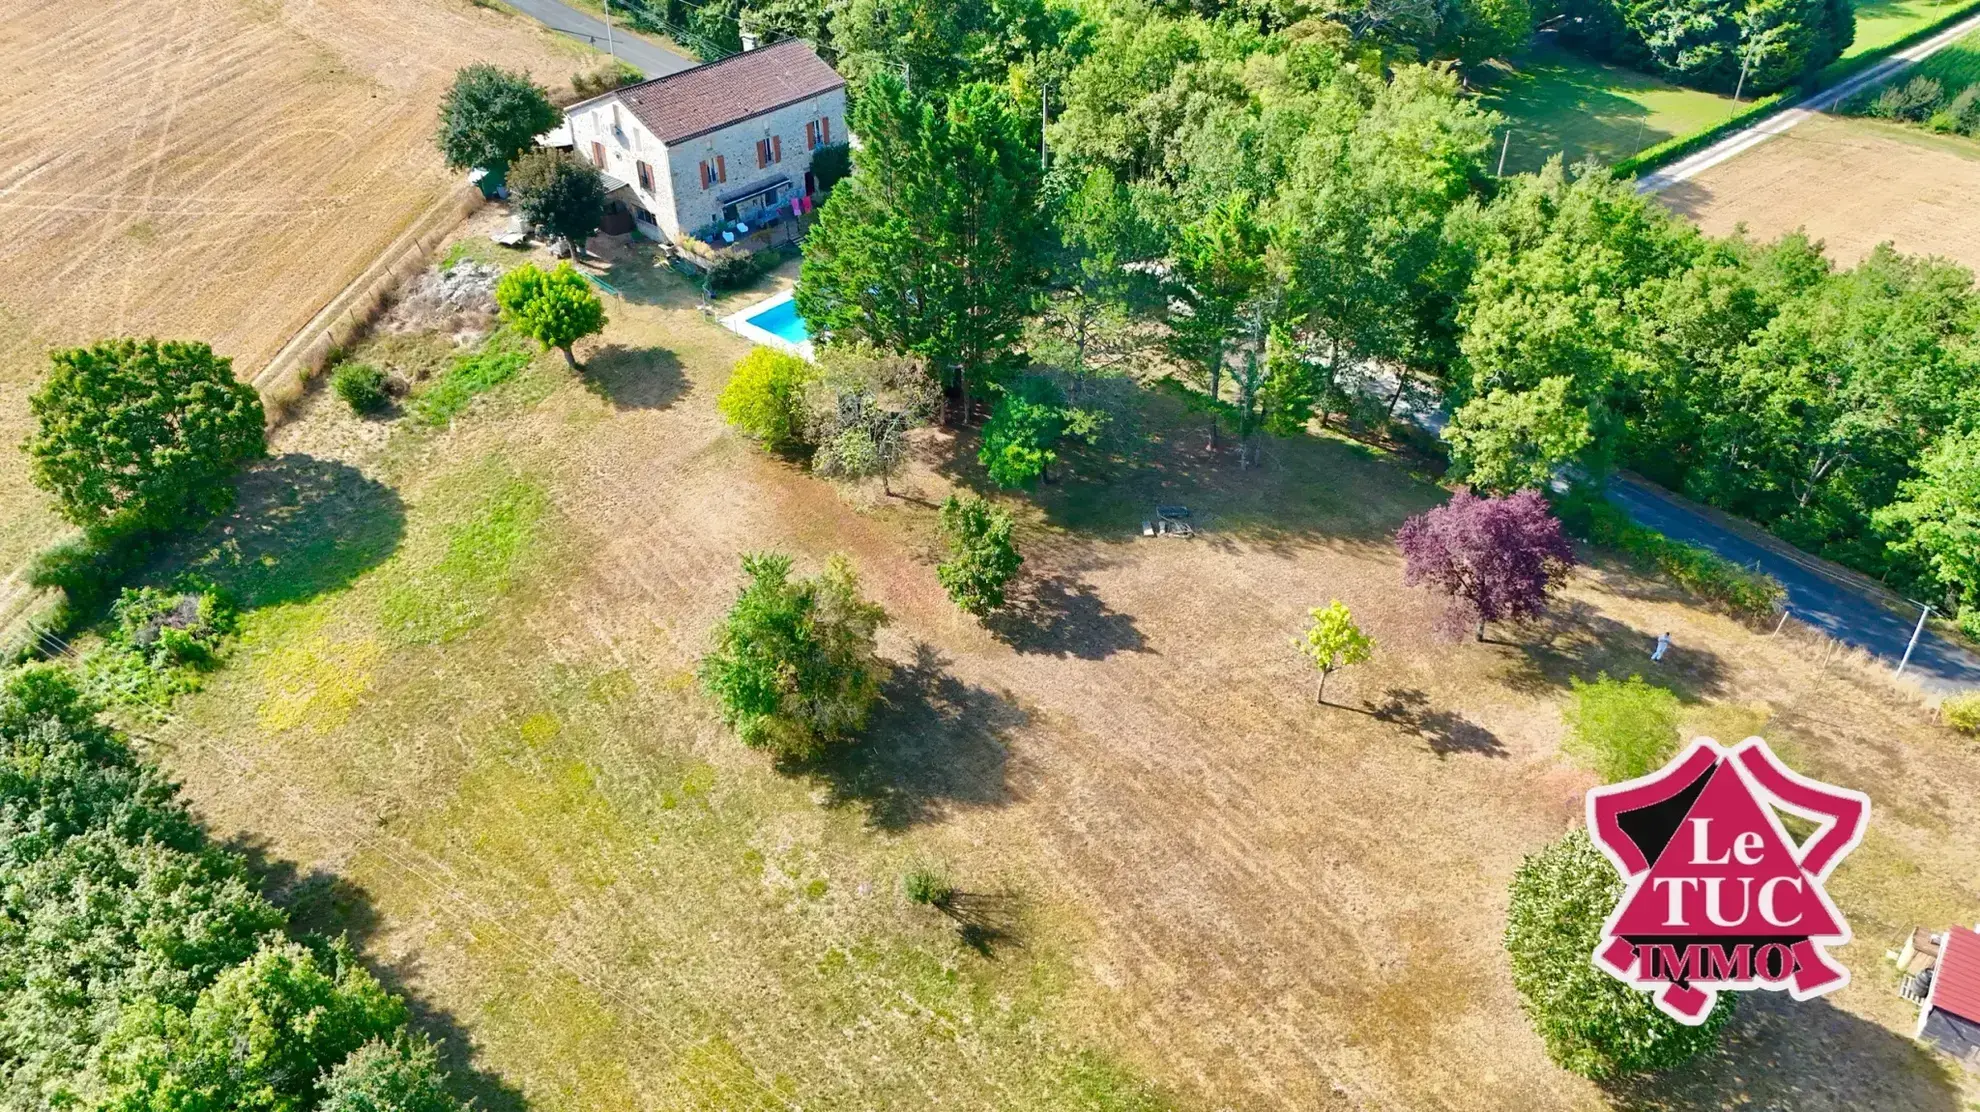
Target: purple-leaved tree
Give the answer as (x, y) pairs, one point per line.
(1497, 558)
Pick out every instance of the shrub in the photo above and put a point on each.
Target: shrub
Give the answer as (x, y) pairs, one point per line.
(141, 434)
(1912, 101)
(1591, 1023)
(765, 397)
(982, 555)
(793, 665)
(1621, 729)
(927, 886)
(88, 570)
(1962, 712)
(734, 269)
(1745, 594)
(173, 628)
(1968, 623)
(362, 386)
(399, 1076)
(1020, 441)
(612, 75)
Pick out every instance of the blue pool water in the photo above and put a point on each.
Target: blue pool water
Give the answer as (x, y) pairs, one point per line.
(782, 321)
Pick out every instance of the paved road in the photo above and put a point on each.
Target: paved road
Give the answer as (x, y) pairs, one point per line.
(1780, 122)
(1845, 611)
(649, 57)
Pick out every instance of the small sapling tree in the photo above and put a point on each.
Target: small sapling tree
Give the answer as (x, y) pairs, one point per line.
(1497, 558)
(1333, 642)
(982, 555)
(556, 308)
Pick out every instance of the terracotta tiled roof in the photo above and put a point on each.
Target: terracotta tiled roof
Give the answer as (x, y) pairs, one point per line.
(1956, 981)
(700, 100)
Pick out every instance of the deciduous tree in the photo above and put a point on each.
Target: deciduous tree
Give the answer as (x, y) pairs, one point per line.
(1333, 642)
(556, 308)
(1497, 558)
(1505, 441)
(1021, 439)
(982, 554)
(141, 434)
(793, 667)
(562, 195)
(491, 115)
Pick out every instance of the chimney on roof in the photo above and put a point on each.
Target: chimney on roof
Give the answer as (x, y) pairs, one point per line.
(749, 41)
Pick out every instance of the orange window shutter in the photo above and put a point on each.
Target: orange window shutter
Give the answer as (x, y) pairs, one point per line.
(776, 148)
(825, 128)
(810, 135)
(721, 168)
(704, 175)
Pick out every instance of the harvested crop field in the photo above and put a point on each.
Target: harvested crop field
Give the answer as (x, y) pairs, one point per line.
(1852, 183)
(212, 169)
(463, 720)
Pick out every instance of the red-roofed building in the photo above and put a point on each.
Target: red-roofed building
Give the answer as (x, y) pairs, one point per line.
(728, 142)
(1949, 1016)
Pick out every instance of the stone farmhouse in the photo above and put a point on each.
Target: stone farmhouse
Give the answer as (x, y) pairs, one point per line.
(726, 142)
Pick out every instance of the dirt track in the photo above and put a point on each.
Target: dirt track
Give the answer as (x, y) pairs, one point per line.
(1852, 184)
(211, 169)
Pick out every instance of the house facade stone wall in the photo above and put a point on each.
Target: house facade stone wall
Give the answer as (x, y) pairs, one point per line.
(677, 200)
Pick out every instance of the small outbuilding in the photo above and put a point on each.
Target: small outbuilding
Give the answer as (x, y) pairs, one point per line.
(1949, 1012)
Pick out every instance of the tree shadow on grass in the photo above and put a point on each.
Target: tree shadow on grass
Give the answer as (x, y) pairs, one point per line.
(1805, 1057)
(323, 905)
(302, 527)
(1057, 615)
(985, 921)
(935, 742)
(1307, 489)
(1443, 732)
(634, 378)
(1574, 640)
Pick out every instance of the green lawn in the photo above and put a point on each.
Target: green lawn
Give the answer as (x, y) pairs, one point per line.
(1882, 22)
(1555, 101)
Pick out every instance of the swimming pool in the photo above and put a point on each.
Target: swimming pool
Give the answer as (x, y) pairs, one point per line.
(782, 321)
(774, 323)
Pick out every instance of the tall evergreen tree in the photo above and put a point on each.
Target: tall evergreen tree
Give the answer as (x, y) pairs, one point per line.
(933, 246)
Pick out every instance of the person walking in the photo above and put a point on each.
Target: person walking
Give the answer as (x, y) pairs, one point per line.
(1663, 646)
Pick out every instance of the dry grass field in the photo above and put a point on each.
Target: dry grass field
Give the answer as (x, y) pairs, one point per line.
(462, 725)
(1852, 183)
(211, 169)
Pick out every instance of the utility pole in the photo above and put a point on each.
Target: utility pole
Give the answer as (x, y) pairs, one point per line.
(1503, 148)
(1924, 612)
(609, 48)
(1745, 60)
